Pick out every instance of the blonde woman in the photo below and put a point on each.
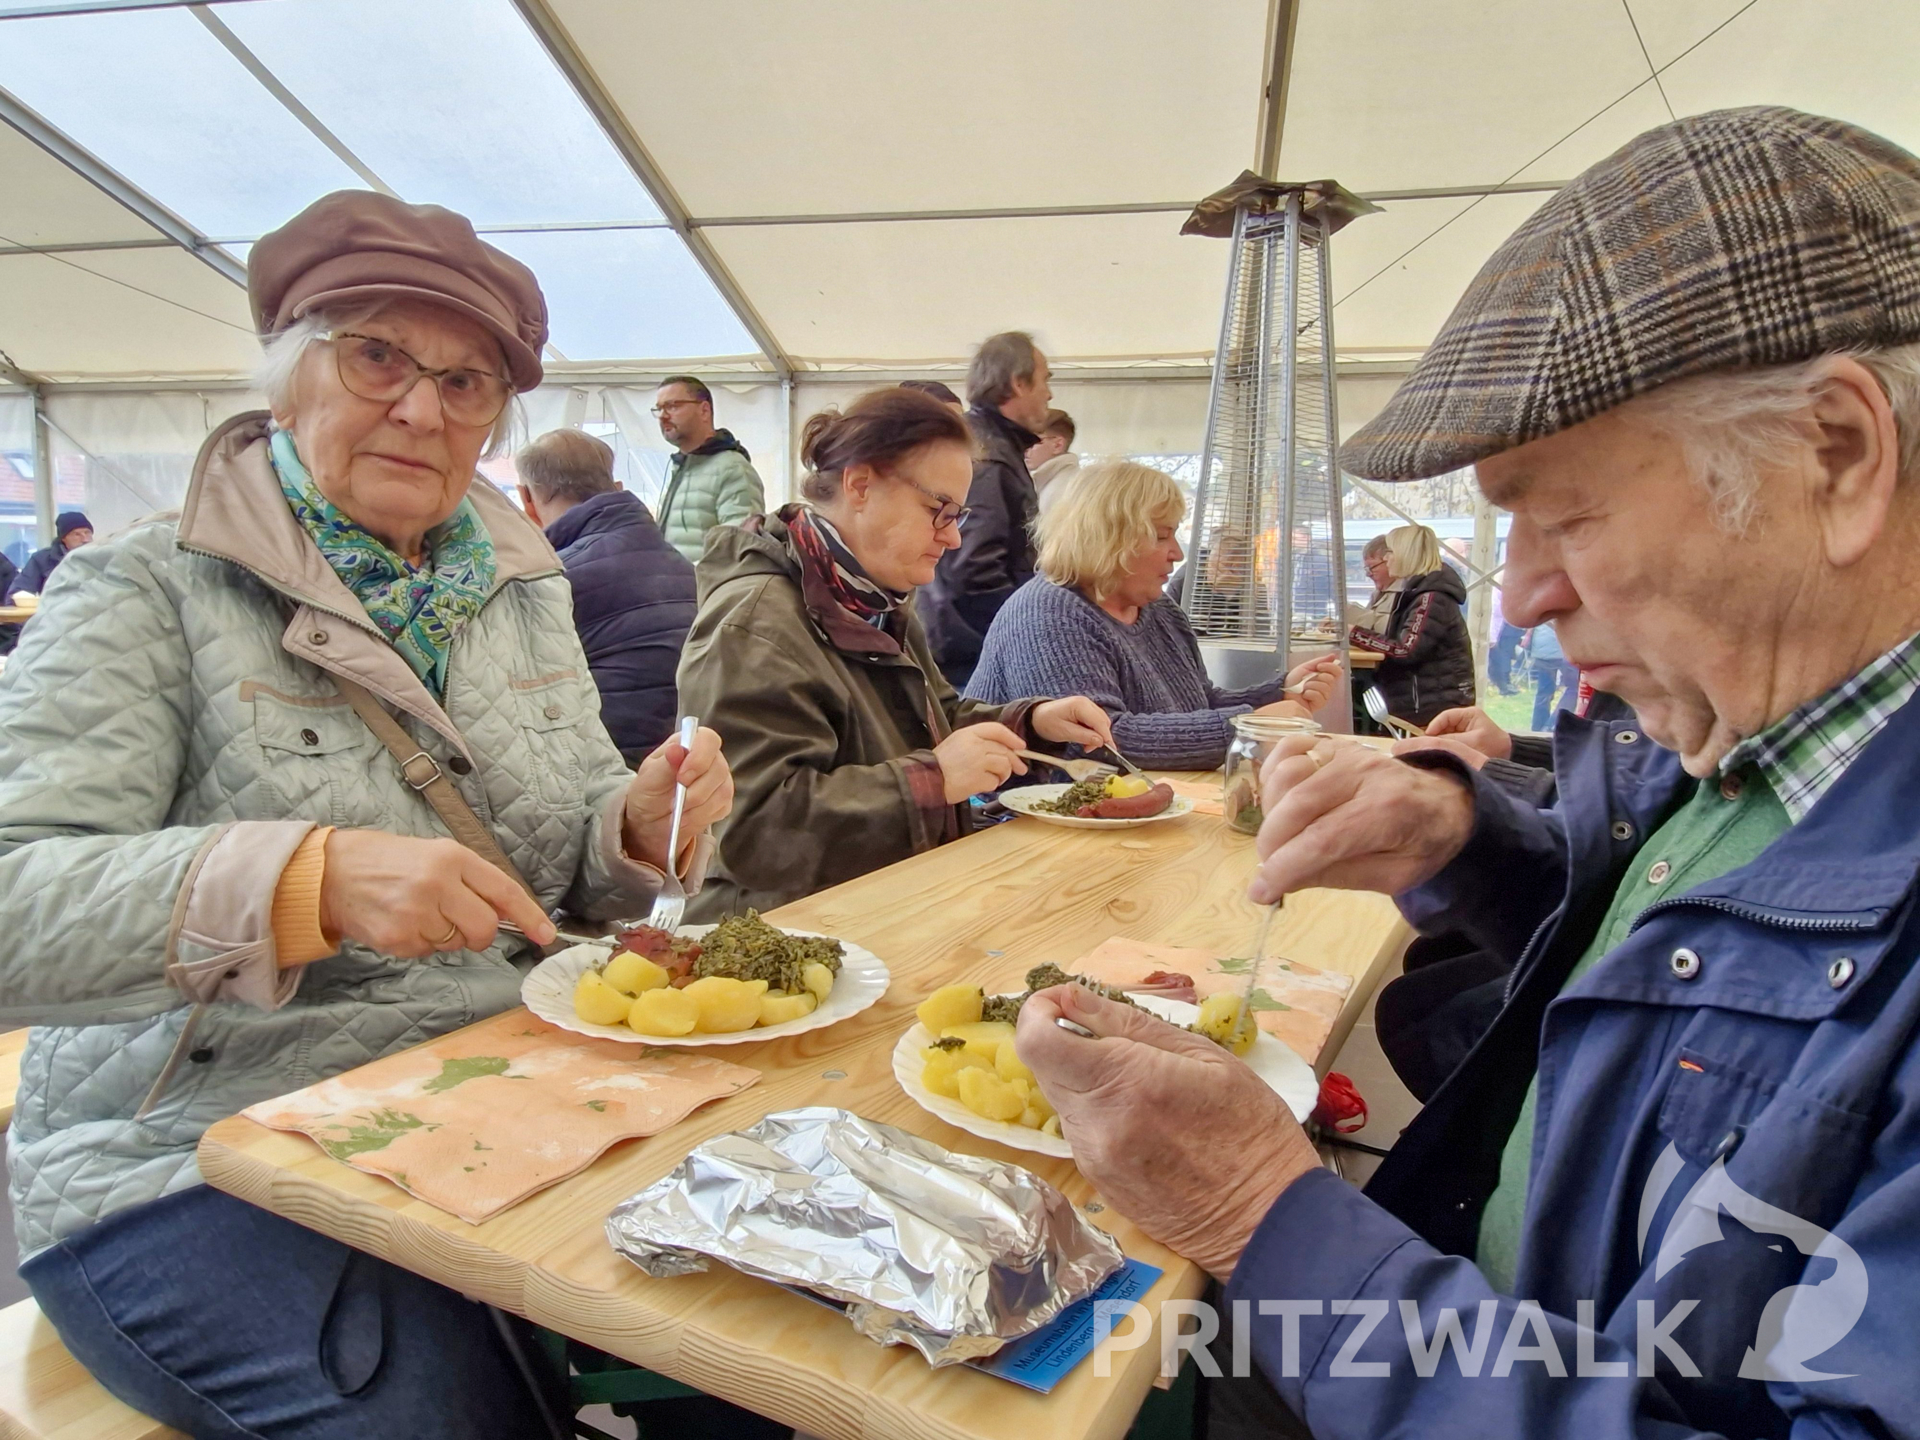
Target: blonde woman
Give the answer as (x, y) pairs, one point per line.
(1426, 661)
(1096, 622)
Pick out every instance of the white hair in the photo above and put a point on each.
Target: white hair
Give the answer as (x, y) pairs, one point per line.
(1735, 426)
(281, 354)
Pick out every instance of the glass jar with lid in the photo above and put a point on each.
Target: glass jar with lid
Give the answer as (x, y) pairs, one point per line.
(1253, 738)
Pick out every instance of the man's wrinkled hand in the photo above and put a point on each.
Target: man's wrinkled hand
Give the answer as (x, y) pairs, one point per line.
(1179, 1136)
(1350, 818)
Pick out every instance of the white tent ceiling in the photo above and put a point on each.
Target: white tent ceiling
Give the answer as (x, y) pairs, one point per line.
(843, 185)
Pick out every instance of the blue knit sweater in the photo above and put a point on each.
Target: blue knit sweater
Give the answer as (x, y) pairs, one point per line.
(1051, 640)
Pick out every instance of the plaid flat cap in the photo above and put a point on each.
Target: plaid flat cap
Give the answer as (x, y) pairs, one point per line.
(1739, 238)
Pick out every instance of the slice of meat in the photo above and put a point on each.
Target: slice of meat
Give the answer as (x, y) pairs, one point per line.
(1167, 985)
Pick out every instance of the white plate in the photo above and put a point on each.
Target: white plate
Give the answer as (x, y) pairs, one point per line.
(548, 992)
(1290, 1077)
(1022, 801)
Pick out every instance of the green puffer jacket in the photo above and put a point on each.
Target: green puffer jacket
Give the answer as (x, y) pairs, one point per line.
(169, 734)
(715, 485)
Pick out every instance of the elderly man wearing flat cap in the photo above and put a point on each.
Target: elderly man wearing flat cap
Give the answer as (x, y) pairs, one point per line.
(1675, 1190)
(274, 773)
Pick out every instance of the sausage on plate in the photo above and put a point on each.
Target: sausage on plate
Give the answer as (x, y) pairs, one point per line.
(1131, 807)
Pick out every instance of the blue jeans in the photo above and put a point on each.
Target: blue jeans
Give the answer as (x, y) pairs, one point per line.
(229, 1323)
(1551, 677)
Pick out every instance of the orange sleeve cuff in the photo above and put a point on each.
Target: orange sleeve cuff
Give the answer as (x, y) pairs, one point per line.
(297, 936)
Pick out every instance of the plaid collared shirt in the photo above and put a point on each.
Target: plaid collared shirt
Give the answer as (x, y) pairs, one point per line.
(1803, 754)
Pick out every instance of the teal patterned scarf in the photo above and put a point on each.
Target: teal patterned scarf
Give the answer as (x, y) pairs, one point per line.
(419, 608)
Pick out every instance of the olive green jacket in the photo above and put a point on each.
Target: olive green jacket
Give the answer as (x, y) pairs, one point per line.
(829, 725)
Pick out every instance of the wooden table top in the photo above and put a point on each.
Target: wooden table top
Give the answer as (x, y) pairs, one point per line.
(983, 909)
(15, 614)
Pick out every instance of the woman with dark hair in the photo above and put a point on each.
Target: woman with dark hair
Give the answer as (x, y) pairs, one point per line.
(849, 748)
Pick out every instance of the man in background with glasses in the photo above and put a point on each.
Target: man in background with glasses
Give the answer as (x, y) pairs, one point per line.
(710, 480)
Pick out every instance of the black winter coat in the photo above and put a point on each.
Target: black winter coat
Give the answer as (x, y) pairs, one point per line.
(1426, 661)
(995, 557)
(633, 601)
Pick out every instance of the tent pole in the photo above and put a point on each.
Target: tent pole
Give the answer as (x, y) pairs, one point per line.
(42, 468)
(89, 168)
(560, 48)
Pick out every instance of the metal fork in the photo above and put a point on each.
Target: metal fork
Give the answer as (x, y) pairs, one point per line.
(1076, 770)
(671, 903)
(1376, 704)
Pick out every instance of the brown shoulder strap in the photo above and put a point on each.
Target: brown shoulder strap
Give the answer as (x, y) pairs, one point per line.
(424, 774)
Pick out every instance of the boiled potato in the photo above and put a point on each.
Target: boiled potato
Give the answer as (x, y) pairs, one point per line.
(982, 1037)
(818, 979)
(726, 1005)
(951, 1005)
(596, 1001)
(1031, 1117)
(630, 973)
(1125, 787)
(990, 1097)
(1007, 1064)
(664, 1012)
(778, 1009)
(1226, 1021)
(1052, 1126)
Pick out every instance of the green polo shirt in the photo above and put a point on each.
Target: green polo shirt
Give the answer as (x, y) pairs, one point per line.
(1766, 784)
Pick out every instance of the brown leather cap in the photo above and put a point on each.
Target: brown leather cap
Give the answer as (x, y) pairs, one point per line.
(360, 245)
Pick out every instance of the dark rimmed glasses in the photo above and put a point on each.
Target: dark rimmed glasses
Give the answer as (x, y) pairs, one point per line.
(376, 369)
(945, 512)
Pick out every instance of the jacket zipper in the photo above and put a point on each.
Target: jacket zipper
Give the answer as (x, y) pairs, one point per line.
(1747, 912)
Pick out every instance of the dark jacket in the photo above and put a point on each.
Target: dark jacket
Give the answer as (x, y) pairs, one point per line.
(1729, 1114)
(995, 557)
(34, 574)
(632, 604)
(829, 724)
(1427, 659)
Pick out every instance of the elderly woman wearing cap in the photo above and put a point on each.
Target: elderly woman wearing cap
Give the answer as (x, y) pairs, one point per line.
(1674, 1189)
(217, 884)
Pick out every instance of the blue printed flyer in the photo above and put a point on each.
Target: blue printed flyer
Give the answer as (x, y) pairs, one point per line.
(1041, 1360)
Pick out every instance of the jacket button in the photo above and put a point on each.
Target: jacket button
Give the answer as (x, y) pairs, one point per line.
(1626, 737)
(1729, 1142)
(1622, 830)
(309, 737)
(1658, 871)
(553, 712)
(200, 1056)
(1731, 787)
(459, 764)
(1840, 972)
(1685, 964)
(317, 637)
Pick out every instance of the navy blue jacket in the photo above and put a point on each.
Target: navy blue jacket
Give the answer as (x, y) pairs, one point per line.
(39, 568)
(1728, 1114)
(633, 601)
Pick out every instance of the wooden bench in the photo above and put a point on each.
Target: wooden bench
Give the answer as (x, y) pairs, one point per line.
(46, 1394)
(11, 1044)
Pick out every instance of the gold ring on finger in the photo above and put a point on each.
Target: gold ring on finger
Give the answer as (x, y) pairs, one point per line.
(453, 933)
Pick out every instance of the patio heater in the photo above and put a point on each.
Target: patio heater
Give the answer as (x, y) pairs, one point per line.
(1266, 578)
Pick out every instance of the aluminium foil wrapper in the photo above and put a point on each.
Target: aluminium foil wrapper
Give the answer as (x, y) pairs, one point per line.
(952, 1254)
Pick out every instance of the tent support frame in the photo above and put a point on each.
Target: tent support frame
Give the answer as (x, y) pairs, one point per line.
(115, 185)
(559, 46)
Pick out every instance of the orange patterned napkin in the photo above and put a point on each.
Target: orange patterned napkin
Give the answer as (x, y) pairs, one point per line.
(1294, 1003)
(480, 1119)
(1205, 794)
